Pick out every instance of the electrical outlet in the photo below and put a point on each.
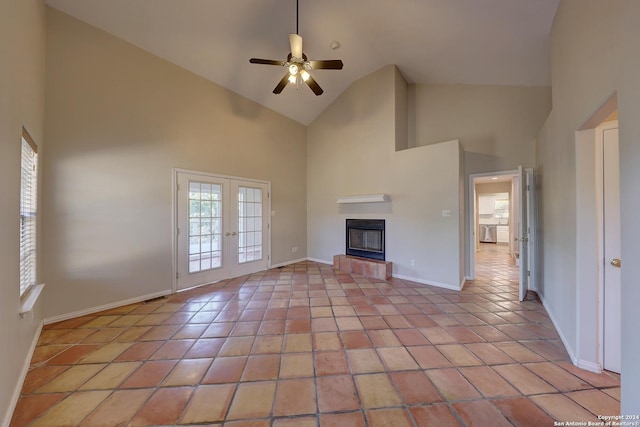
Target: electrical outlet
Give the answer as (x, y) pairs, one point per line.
(294, 249)
(413, 263)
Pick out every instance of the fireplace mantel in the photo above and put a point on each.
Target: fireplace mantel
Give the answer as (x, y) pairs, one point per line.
(364, 198)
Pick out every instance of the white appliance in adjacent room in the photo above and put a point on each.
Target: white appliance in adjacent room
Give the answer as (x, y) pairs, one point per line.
(488, 233)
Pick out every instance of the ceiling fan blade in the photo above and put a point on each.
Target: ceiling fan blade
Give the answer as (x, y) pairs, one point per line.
(266, 61)
(295, 40)
(281, 84)
(331, 64)
(315, 87)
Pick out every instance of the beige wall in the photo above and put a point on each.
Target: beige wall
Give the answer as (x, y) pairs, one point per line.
(594, 54)
(401, 118)
(118, 120)
(496, 125)
(22, 50)
(352, 151)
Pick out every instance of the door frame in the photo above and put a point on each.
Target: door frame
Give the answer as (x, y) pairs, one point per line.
(601, 232)
(589, 353)
(471, 252)
(527, 226)
(174, 217)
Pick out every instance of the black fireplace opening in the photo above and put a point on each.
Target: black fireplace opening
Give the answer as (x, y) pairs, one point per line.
(365, 238)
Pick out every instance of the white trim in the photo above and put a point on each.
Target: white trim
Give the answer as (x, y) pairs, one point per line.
(589, 366)
(202, 285)
(104, 307)
(471, 251)
(365, 198)
(23, 375)
(30, 299)
(217, 175)
(321, 261)
(269, 197)
(428, 282)
(174, 229)
(600, 221)
(284, 264)
(532, 224)
(599, 202)
(464, 280)
(588, 234)
(590, 251)
(174, 218)
(567, 347)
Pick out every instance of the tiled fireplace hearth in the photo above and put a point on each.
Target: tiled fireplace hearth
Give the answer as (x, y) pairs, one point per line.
(363, 266)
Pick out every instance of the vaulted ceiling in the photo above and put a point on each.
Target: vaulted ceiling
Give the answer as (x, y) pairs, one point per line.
(501, 42)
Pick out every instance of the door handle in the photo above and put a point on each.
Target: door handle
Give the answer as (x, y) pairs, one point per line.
(233, 233)
(227, 234)
(616, 262)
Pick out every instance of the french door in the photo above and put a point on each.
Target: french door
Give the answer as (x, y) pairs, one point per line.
(222, 228)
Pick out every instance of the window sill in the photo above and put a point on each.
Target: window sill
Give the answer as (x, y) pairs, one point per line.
(29, 299)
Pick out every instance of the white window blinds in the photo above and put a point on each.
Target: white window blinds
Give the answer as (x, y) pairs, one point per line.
(28, 211)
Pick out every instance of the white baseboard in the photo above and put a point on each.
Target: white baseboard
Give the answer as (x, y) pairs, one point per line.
(429, 282)
(321, 261)
(589, 366)
(23, 375)
(283, 264)
(567, 347)
(104, 307)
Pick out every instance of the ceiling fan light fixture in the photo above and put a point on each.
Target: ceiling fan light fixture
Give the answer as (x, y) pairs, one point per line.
(298, 66)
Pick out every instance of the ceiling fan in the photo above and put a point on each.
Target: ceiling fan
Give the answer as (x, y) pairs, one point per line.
(298, 66)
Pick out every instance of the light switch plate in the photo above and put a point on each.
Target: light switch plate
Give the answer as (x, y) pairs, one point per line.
(446, 212)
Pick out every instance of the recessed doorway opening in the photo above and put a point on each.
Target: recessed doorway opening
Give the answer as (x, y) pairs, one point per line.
(502, 220)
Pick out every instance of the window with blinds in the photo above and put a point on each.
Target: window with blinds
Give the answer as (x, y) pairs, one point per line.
(28, 211)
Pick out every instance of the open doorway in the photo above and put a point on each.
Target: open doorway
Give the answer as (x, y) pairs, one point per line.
(494, 220)
(502, 220)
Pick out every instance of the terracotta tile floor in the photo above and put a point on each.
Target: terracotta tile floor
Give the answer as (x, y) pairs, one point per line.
(305, 345)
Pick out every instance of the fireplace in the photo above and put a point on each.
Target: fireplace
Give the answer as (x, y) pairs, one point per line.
(365, 238)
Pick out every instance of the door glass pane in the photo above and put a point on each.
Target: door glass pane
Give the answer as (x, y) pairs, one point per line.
(249, 224)
(205, 216)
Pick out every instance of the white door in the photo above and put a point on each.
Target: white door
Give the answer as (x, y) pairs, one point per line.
(531, 228)
(526, 232)
(221, 228)
(250, 227)
(611, 245)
